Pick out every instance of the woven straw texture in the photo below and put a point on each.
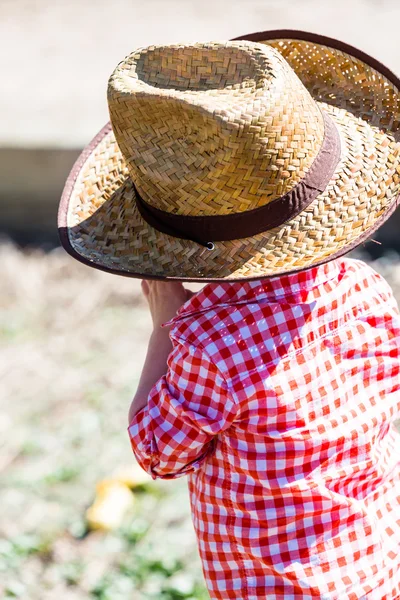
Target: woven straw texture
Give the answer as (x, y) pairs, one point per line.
(222, 128)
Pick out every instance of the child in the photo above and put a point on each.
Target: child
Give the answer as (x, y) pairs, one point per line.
(254, 167)
(278, 401)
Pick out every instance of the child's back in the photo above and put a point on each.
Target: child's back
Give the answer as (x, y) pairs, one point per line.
(279, 404)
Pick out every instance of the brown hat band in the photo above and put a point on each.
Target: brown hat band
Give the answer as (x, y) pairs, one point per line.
(206, 229)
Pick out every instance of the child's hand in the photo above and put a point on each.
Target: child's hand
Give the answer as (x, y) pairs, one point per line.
(164, 299)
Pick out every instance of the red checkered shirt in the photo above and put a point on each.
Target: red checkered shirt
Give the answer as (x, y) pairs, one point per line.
(278, 403)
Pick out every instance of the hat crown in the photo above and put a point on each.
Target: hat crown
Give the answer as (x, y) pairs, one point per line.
(213, 128)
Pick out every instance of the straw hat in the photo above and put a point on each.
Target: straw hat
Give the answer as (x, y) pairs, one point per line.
(236, 160)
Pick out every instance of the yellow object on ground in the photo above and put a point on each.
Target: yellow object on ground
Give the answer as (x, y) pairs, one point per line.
(113, 499)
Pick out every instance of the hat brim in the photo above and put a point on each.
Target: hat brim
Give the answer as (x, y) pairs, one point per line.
(100, 225)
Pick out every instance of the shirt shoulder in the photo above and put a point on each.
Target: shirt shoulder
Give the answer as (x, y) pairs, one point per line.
(241, 327)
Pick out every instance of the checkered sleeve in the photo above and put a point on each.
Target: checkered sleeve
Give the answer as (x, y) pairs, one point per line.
(186, 409)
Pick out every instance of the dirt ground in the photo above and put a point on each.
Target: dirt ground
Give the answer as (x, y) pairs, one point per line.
(72, 344)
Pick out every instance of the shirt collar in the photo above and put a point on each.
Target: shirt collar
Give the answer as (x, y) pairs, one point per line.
(262, 289)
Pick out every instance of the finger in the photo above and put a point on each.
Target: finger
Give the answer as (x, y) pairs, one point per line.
(145, 287)
(168, 287)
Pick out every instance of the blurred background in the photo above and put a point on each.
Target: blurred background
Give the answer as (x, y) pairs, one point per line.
(78, 520)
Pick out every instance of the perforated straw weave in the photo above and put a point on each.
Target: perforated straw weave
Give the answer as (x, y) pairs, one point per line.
(226, 128)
